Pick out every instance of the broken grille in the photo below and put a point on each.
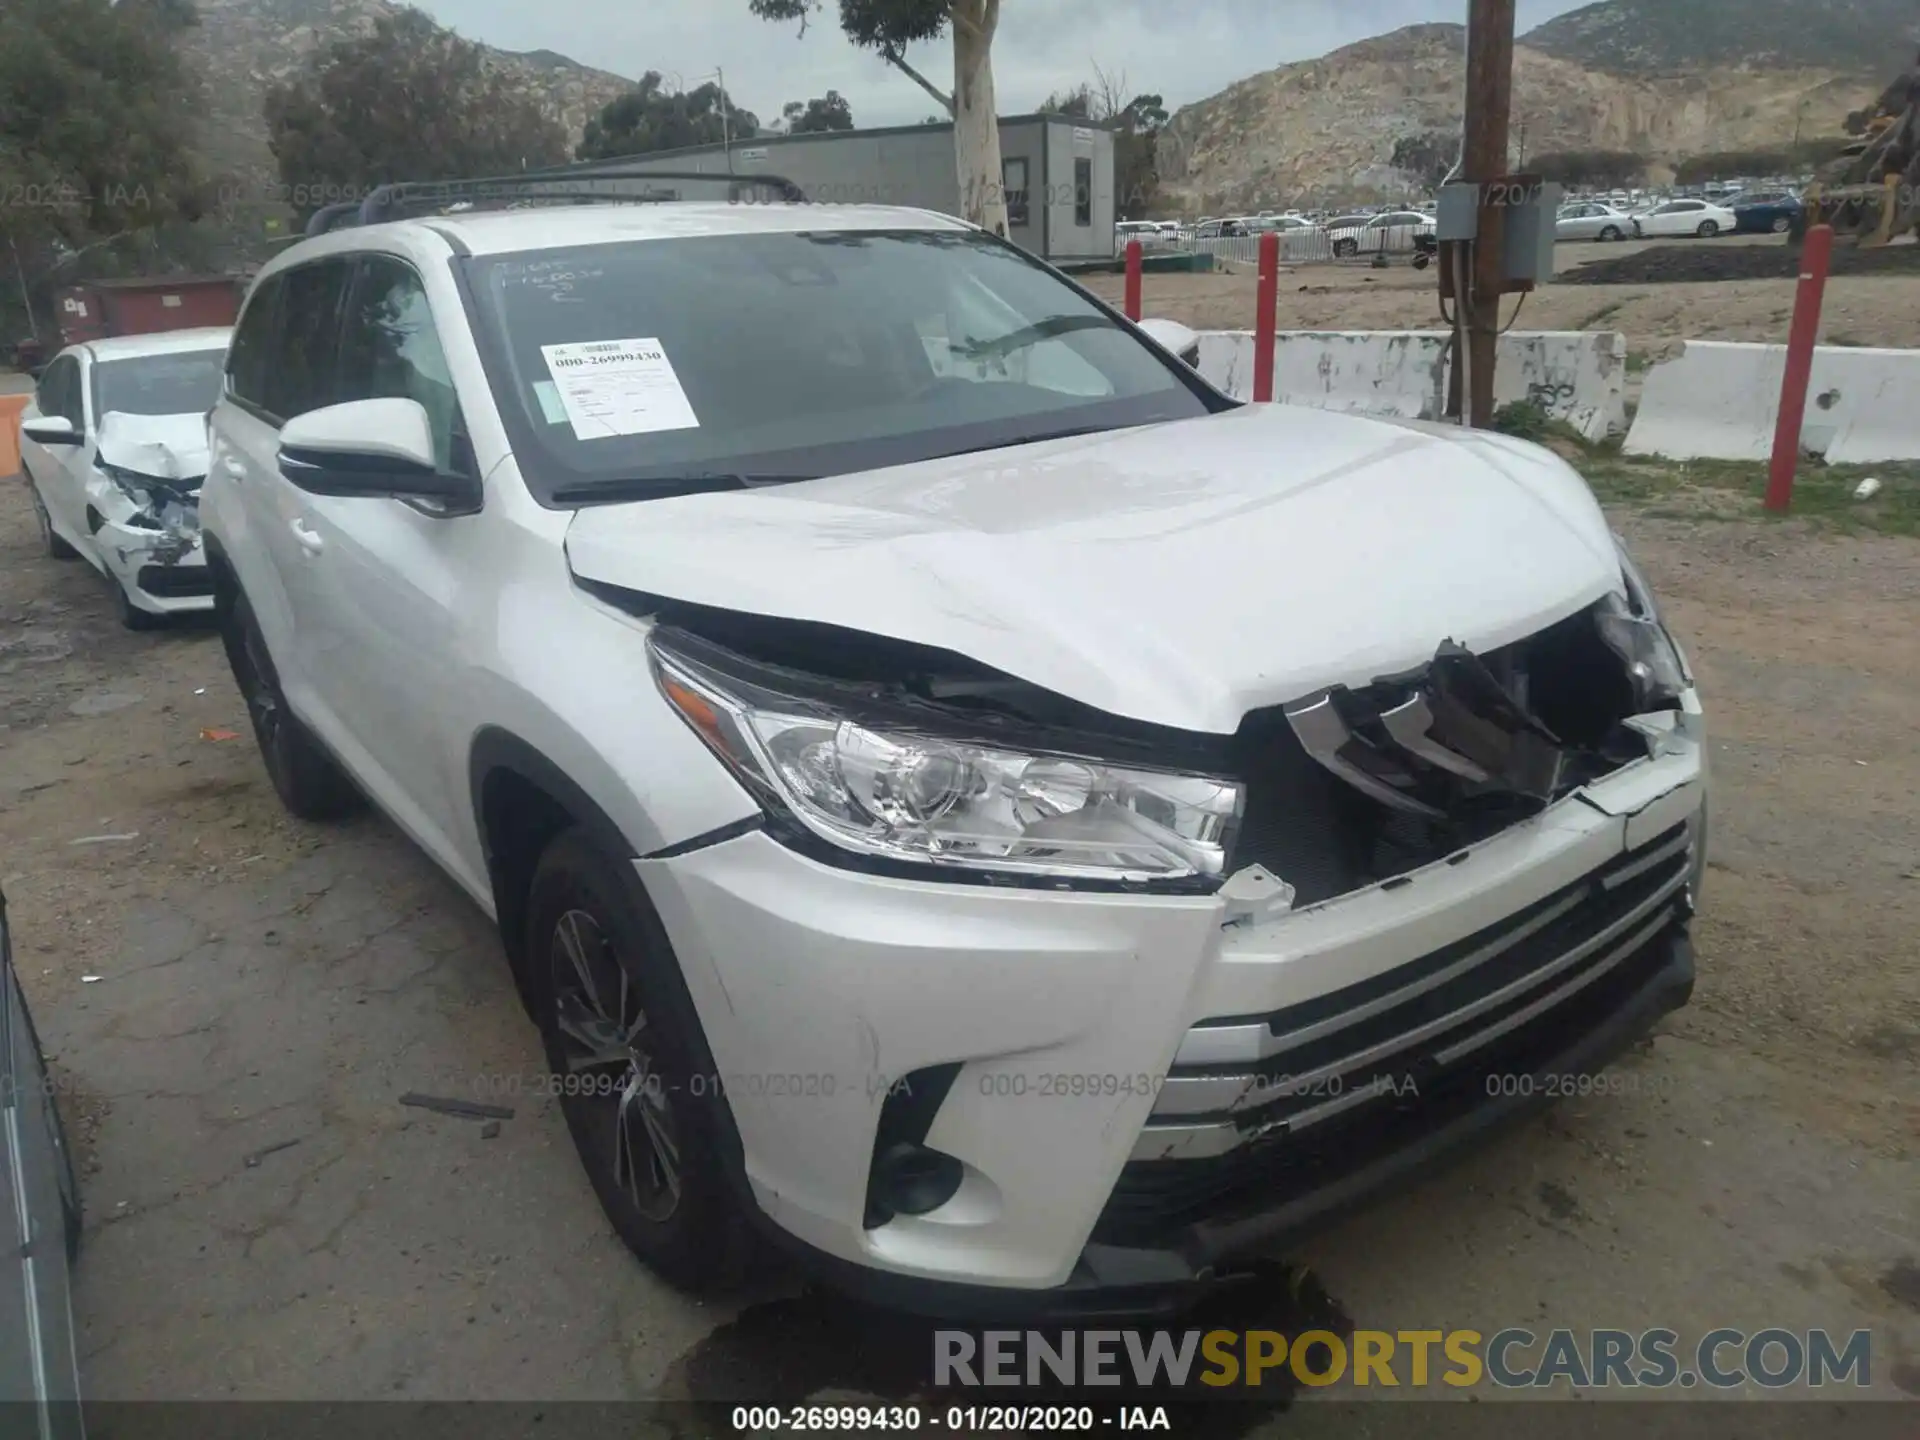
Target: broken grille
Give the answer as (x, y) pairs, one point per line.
(1235, 1080)
(1263, 1106)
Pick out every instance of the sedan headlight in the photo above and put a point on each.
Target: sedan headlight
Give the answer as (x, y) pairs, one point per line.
(897, 792)
(1635, 631)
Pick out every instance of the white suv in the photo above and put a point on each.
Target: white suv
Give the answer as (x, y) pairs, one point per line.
(959, 795)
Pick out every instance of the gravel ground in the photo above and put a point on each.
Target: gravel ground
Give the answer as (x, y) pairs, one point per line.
(264, 982)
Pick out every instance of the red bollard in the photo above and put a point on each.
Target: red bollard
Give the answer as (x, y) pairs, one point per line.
(1133, 281)
(1815, 260)
(1267, 304)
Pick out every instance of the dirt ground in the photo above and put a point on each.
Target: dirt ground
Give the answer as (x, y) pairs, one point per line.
(265, 1221)
(1859, 310)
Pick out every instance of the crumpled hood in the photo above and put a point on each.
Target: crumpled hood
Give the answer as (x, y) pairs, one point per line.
(164, 447)
(1182, 574)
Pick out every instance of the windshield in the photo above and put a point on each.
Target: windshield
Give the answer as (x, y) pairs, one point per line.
(185, 382)
(652, 365)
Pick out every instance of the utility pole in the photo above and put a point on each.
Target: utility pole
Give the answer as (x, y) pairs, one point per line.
(726, 118)
(1490, 27)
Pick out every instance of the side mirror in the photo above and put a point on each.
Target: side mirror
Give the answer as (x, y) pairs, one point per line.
(51, 430)
(370, 448)
(1172, 335)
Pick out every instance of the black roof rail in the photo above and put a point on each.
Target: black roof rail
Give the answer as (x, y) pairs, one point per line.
(587, 183)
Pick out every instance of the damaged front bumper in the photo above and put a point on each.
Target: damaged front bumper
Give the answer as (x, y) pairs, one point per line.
(147, 535)
(1138, 1089)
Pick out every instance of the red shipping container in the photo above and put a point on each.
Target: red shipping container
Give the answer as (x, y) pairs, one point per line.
(146, 306)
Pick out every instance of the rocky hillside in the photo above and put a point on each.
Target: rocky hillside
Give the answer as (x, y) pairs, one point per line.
(1327, 128)
(240, 47)
(1665, 37)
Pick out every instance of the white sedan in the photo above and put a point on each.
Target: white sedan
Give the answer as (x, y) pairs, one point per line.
(1396, 231)
(1592, 220)
(1686, 217)
(114, 449)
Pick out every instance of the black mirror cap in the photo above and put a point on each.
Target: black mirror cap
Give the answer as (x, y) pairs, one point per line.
(72, 437)
(333, 473)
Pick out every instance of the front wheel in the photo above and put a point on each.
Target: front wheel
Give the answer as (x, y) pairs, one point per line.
(1610, 233)
(1345, 249)
(1782, 224)
(1708, 229)
(132, 617)
(305, 777)
(645, 1111)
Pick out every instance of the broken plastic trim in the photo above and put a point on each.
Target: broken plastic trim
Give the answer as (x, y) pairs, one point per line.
(171, 508)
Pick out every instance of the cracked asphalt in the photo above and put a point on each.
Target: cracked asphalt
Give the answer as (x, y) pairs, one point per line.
(236, 1002)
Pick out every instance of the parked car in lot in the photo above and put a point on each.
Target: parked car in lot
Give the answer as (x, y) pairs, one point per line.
(39, 1230)
(1227, 229)
(1685, 217)
(1393, 232)
(891, 868)
(1763, 212)
(113, 447)
(1592, 220)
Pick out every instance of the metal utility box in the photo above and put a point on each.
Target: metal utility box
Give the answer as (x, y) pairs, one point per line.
(1530, 236)
(1058, 174)
(146, 306)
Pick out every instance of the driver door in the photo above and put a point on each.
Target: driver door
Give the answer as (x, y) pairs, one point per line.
(59, 472)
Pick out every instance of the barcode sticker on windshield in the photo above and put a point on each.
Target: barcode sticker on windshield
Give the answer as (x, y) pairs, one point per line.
(618, 387)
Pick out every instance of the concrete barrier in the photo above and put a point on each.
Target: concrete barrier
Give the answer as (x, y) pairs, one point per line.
(1575, 376)
(1719, 400)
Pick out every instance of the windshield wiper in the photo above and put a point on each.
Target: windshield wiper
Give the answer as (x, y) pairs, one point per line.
(1033, 334)
(659, 487)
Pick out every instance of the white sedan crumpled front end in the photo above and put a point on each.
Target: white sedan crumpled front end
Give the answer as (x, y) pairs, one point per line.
(143, 506)
(1092, 936)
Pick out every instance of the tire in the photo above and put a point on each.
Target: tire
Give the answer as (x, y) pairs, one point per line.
(131, 615)
(305, 777)
(51, 545)
(605, 982)
(1345, 249)
(1782, 224)
(1610, 233)
(1708, 229)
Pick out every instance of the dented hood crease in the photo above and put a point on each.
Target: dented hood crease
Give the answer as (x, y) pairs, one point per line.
(162, 447)
(1180, 574)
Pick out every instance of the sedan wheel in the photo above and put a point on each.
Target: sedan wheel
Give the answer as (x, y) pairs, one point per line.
(1610, 233)
(1782, 225)
(1346, 249)
(1708, 229)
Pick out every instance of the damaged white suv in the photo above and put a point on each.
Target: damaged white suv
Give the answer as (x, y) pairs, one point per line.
(961, 797)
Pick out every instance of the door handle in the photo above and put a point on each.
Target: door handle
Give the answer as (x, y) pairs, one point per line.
(309, 538)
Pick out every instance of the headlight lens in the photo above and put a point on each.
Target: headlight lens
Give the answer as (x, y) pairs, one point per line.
(1636, 633)
(912, 796)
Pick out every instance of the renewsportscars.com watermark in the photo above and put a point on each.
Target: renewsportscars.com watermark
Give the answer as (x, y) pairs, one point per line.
(1510, 1359)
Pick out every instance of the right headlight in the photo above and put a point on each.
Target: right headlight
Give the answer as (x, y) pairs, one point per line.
(903, 793)
(1635, 632)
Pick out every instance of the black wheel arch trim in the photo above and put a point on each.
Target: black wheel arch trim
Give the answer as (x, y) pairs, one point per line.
(495, 749)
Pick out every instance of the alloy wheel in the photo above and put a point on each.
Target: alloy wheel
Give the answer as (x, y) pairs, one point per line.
(608, 1071)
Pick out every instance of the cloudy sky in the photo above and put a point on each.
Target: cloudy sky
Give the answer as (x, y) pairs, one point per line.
(1184, 49)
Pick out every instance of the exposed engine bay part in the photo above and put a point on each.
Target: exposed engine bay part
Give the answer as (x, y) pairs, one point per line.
(143, 493)
(1346, 789)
